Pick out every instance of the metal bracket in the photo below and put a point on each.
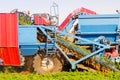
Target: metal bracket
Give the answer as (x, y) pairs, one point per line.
(101, 48)
(52, 41)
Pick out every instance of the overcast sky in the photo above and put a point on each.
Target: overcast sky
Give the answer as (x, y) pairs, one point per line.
(65, 6)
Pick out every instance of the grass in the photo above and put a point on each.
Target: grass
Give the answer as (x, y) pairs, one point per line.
(62, 76)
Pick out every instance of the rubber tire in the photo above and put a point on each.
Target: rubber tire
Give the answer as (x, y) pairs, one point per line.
(37, 64)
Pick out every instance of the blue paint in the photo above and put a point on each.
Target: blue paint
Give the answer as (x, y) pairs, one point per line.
(69, 26)
(28, 43)
(27, 34)
(92, 26)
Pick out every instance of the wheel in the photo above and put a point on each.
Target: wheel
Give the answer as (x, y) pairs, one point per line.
(46, 64)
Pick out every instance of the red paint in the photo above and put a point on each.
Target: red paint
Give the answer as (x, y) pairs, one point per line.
(10, 56)
(41, 20)
(87, 11)
(112, 53)
(9, 39)
(65, 22)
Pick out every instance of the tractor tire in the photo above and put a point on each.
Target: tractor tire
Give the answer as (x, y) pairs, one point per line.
(46, 63)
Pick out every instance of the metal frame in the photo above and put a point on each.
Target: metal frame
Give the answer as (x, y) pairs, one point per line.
(101, 48)
(32, 47)
(112, 22)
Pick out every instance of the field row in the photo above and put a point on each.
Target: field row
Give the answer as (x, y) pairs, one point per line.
(62, 76)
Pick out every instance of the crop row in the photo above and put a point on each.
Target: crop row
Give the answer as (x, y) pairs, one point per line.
(62, 76)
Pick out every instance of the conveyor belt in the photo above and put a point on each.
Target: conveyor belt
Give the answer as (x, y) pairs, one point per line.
(95, 62)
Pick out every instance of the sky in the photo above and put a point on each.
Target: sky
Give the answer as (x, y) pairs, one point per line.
(65, 6)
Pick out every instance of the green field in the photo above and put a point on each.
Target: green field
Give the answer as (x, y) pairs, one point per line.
(62, 76)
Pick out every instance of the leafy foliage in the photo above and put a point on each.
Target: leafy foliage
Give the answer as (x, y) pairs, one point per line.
(62, 76)
(104, 61)
(24, 21)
